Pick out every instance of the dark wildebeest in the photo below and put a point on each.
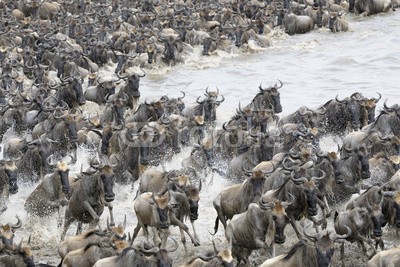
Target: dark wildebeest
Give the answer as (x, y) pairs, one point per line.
(131, 88)
(184, 202)
(87, 201)
(268, 98)
(261, 226)
(51, 193)
(208, 107)
(352, 167)
(311, 251)
(388, 121)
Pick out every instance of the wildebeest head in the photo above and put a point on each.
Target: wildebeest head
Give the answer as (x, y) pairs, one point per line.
(310, 190)
(376, 216)
(7, 234)
(26, 253)
(106, 177)
(269, 97)
(323, 243)
(161, 203)
(394, 200)
(10, 170)
(370, 105)
(353, 166)
(162, 255)
(118, 232)
(209, 105)
(63, 172)
(279, 217)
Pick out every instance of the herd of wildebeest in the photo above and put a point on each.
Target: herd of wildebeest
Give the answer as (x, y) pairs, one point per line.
(54, 99)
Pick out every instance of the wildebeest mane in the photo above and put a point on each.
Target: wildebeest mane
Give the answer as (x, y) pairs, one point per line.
(306, 253)
(94, 232)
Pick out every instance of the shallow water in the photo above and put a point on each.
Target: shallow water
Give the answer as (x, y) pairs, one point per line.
(313, 67)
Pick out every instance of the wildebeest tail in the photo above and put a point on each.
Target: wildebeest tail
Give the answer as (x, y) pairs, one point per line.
(216, 226)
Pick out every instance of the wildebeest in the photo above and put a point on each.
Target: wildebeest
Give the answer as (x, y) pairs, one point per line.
(297, 24)
(184, 202)
(86, 203)
(92, 252)
(111, 234)
(212, 258)
(20, 257)
(337, 24)
(268, 98)
(261, 226)
(236, 198)
(388, 121)
(8, 182)
(360, 221)
(49, 195)
(206, 107)
(387, 258)
(369, 7)
(133, 256)
(310, 251)
(7, 235)
(153, 211)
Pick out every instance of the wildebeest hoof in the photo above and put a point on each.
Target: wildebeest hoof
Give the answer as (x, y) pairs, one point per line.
(196, 243)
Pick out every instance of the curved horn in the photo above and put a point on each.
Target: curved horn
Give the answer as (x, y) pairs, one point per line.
(340, 101)
(176, 245)
(377, 99)
(335, 236)
(300, 180)
(313, 238)
(18, 224)
(281, 84)
(152, 250)
(319, 178)
(183, 95)
(199, 102)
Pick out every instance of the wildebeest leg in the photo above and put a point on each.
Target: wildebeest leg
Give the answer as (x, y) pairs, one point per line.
(156, 237)
(379, 241)
(176, 222)
(323, 207)
(342, 253)
(79, 228)
(183, 240)
(328, 209)
(194, 231)
(136, 231)
(67, 222)
(94, 215)
(110, 210)
(293, 224)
